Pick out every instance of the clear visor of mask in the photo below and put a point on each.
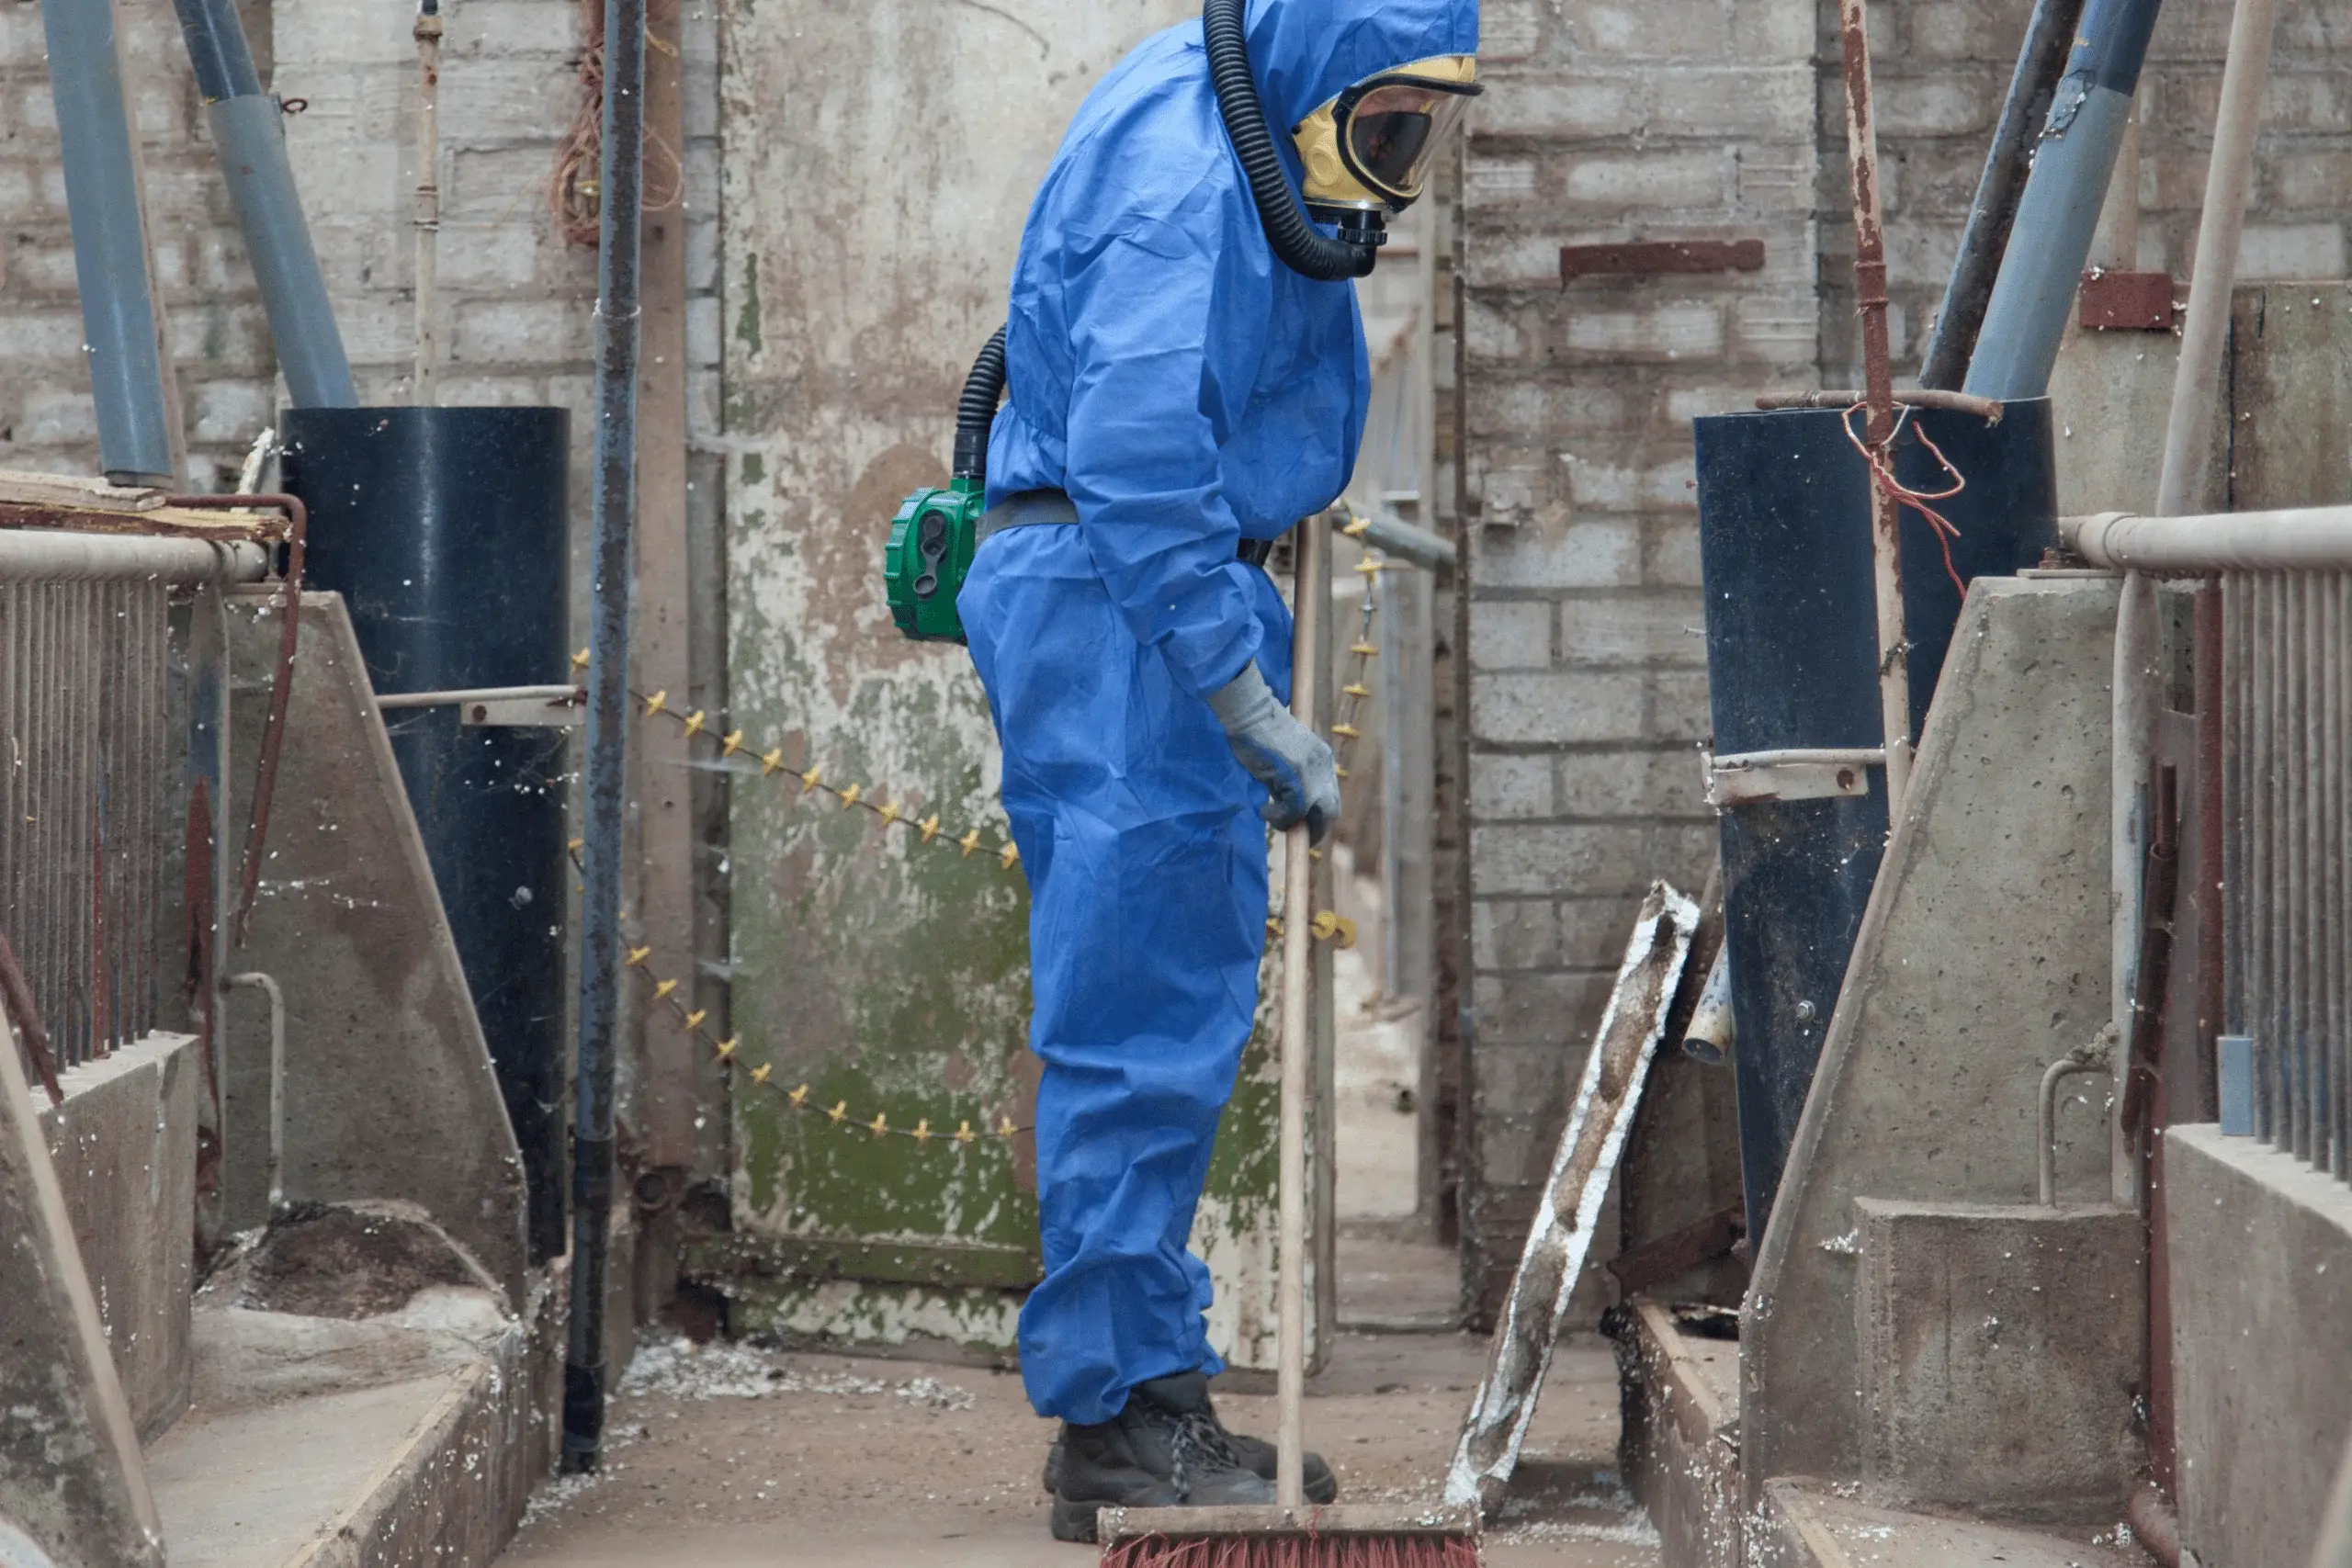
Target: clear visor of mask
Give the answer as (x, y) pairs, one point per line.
(1391, 127)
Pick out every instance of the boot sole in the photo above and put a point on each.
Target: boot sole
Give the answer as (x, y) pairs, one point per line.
(1075, 1521)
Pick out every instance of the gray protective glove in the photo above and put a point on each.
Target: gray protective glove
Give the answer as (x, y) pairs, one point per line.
(1293, 762)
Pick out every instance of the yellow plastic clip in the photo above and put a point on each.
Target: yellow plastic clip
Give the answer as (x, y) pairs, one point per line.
(1372, 568)
(1009, 855)
(661, 992)
(772, 763)
(1357, 690)
(1005, 1129)
(1339, 770)
(638, 956)
(577, 845)
(799, 1097)
(727, 1048)
(580, 659)
(1356, 527)
(1346, 731)
(760, 1073)
(891, 813)
(695, 722)
(880, 1125)
(730, 743)
(921, 1133)
(1330, 924)
(849, 795)
(694, 1020)
(658, 703)
(839, 1110)
(970, 840)
(929, 826)
(811, 779)
(1364, 650)
(964, 1134)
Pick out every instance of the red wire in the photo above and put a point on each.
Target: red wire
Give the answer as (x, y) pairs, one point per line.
(1882, 475)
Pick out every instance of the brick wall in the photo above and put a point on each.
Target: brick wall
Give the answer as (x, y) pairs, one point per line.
(1691, 120)
(1586, 690)
(219, 342)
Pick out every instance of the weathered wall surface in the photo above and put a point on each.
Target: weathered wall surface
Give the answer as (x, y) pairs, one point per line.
(883, 972)
(1588, 695)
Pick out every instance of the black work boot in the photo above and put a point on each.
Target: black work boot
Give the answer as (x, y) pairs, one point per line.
(1164, 1450)
(1188, 1391)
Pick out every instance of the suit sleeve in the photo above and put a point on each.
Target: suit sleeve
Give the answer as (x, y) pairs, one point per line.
(1159, 376)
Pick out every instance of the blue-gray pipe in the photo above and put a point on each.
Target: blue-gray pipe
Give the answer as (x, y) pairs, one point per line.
(249, 131)
(2051, 240)
(120, 327)
(600, 849)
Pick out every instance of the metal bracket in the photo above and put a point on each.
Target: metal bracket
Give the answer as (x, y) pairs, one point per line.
(499, 707)
(1753, 778)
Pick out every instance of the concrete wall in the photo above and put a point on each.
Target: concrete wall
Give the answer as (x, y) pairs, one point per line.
(124, 1146)
(1983, 957)
(2261, 1271)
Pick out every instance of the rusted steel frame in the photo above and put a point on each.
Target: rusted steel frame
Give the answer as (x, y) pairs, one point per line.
(1650, 258)
(1987, 409)
(2160, 886)
(281, 690)
(1878, 388)
(1701, 1241)
(2212, 901)
(18, 999)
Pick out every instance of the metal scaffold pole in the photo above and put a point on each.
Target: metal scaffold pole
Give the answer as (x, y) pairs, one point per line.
(608, 717)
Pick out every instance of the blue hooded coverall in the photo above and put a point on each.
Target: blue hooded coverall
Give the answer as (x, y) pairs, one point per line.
(1188, 391)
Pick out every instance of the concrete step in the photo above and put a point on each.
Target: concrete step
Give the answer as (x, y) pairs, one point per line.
(401, 1438)
(1808, 1524)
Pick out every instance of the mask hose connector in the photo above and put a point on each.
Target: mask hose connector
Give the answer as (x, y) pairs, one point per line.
(1301, 247)
(976, 410)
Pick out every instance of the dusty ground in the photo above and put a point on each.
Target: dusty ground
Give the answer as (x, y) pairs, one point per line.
(736, 1458)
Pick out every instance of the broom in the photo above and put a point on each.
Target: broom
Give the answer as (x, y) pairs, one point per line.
(1291, 1534)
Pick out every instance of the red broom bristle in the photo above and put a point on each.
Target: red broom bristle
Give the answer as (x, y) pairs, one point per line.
(1293, 1552)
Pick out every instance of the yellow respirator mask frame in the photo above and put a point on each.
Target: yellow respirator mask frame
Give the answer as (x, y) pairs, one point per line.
(1369, 148)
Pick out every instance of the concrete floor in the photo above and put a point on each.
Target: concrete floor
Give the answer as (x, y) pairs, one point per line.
(735, 1458)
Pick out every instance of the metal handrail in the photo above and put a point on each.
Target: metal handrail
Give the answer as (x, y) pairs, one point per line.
(52, 554)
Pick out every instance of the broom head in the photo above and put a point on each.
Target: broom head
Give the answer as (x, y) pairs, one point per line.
(1348, 1536)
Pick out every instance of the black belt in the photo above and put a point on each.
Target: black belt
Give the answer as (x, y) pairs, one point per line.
(1031, 508)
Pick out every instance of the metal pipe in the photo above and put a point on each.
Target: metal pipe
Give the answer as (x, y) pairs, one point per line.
(2205, 333)
(2026, 318)
(2096, 1057)
(122, 326)
(1984, 408)
(2133, 699)
(390, 700)
(1391, 535)
(2301, 539)
(428, 196)
(255, 980)
(42, 554)
(600, 851)
(1878, 381)
(1709, 1036)
(2048, 40)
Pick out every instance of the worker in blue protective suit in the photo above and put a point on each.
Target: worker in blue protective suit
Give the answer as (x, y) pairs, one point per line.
(1179, 394)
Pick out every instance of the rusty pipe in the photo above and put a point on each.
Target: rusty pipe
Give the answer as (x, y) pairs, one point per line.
(281, 690)
(1878, 385)
(17, 998)
(1986, 409)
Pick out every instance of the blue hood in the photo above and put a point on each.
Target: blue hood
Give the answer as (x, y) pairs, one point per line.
(1306, 52)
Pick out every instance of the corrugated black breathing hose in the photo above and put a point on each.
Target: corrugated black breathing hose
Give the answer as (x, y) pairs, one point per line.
(976, 410)
(1302, 248)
